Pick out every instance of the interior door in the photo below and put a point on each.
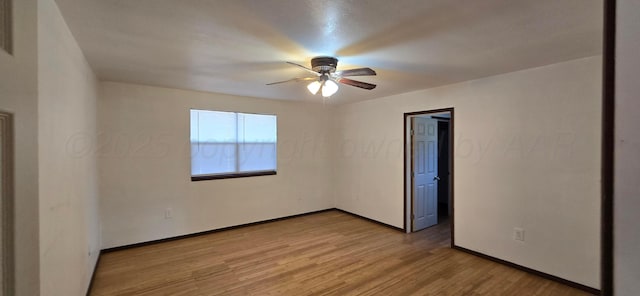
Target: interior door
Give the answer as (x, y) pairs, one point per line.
(424, 141)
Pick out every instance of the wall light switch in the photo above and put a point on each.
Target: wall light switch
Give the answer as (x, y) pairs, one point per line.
(168, 213)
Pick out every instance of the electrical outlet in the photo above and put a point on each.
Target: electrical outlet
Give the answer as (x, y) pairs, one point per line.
(518, 234)
(168, 213)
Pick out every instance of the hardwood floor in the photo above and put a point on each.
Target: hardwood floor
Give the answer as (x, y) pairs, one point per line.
(329, 253)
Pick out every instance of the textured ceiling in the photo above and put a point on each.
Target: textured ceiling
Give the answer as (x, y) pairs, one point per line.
(237, 46)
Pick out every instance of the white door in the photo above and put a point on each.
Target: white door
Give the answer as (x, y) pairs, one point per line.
(425, 172)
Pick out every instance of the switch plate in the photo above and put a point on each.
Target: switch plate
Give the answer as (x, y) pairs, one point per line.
(168, 213)
(518, 234)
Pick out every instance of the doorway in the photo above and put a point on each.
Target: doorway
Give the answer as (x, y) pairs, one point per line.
(428, 169)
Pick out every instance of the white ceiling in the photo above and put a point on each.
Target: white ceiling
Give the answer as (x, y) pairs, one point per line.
(237, 46)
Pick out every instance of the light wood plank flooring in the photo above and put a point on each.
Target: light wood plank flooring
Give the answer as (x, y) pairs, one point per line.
(329, 253)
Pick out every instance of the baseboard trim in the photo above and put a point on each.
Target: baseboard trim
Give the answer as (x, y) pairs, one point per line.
(153, 242)
(371, 220)
(554, 278)
(93, 274)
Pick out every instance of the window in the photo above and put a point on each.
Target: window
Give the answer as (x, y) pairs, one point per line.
(231, 145)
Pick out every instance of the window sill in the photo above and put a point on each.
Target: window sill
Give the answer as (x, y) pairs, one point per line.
(234, 175)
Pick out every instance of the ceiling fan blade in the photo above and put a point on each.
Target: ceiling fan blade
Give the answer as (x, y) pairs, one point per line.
(356, 72)
(294, 79)
(303, 67)
(356, 83)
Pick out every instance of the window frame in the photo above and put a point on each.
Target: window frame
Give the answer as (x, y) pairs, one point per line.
(232, 175)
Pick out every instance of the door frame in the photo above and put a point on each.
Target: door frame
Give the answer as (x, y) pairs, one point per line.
(407, 168)
(6, 200)
(608, 148)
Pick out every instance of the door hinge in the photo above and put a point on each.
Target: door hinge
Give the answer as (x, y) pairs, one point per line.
(412, 132)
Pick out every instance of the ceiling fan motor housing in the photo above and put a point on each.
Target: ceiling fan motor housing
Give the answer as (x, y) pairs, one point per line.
(324, 64)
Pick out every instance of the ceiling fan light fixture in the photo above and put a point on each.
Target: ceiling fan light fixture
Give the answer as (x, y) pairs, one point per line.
(329, 88)
(326, 78)
(314, 87)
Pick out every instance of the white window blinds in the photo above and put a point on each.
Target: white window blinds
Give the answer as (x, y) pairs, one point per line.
(224, 143)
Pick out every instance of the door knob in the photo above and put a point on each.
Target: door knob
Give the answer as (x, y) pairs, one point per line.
(436, 178)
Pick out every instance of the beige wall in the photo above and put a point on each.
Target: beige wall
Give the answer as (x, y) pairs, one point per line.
(145, 165)
(527, 150)
(627, 151)
(18, 95)
(67, 97)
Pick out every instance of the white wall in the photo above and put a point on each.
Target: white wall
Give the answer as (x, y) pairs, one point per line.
(627, 151)
(18, 95)
(527, 154)
(145, 165)
(67, 98)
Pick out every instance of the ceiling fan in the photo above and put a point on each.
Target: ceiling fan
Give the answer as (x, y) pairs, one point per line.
(326, 78)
